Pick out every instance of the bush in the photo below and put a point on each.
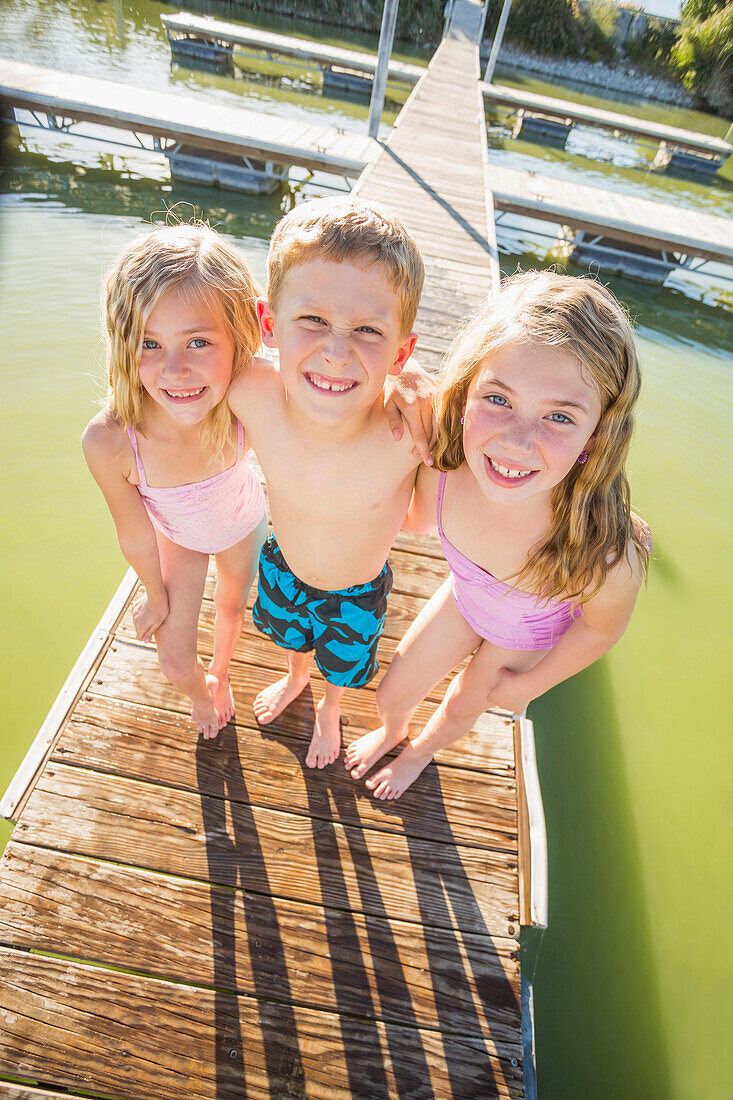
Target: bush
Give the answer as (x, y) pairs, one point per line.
(598, 22)
(545, 26)
(703, 54)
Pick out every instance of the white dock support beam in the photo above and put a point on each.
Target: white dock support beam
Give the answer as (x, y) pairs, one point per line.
(386, 38)
(496, 45)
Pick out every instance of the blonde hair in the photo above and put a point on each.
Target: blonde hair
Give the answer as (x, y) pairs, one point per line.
(352, 230)
(591, 524)
(194, 259)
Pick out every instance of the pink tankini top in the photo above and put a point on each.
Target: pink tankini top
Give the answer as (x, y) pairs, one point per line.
(209, 516)
(503, 615)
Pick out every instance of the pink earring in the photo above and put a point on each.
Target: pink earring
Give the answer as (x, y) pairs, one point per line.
(462, 419)
(582, 457)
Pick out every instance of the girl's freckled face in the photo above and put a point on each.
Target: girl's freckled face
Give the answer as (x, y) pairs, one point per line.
(187, 356)
(530, 411)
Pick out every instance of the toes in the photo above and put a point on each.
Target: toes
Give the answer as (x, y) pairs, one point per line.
(379, 784)
(262, 711)
(358, 771)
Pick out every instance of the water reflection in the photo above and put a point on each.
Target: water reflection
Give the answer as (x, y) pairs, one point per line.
(599, 942)
(99, 188)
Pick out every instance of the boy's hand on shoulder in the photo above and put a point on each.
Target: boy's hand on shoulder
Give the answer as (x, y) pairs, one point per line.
(409, 400)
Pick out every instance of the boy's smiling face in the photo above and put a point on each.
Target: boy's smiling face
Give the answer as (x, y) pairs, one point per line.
(338, 328)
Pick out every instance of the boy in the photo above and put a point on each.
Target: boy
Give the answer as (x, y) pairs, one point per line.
(343, 286)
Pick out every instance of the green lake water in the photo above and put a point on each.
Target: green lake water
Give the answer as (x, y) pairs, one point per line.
(633, 976)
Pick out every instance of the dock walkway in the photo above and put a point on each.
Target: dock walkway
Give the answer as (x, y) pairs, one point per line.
(182, 918)
(607, 120)
(278, 143)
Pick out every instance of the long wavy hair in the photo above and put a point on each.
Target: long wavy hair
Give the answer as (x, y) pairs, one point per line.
(195, 260)
(592, 525)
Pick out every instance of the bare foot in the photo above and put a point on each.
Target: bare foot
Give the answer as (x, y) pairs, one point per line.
(326, 740)
(205, 716)
(393, 780)
(273, 700)
(221, 690)
(365, 751)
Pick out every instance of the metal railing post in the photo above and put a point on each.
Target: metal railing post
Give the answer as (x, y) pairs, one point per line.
(496, 45)
(386, 38)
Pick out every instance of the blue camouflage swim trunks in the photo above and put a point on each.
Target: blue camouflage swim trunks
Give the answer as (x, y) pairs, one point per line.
(342, 628)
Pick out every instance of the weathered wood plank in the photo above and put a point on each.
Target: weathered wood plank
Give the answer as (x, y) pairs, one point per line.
(253, 765)
(258, 649)
(138, 1038)
(265, 947)
(130, 671)
(308, 859)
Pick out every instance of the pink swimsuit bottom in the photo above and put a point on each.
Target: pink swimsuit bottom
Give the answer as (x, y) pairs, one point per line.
(209, 516)
(504, 616)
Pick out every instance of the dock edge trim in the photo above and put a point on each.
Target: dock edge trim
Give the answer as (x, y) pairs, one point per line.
(528, 784)
(84, 668)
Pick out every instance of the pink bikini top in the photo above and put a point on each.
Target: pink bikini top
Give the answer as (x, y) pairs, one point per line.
(503, 615)
(211, 515)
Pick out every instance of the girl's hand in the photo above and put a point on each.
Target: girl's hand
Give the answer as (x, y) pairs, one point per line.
(409, 400)
(510, 692)
(148, 615)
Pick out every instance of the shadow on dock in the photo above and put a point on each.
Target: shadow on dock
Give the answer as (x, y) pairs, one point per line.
(373, 996)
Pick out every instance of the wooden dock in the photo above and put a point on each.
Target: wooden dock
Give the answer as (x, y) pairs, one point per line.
(617, 214)
(519, 100)
(277, 144)
(181, 918)
(257, 43)
(267, 45)
(182, 119)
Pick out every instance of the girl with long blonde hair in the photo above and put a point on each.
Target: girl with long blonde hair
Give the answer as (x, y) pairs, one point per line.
(531, 501)
(180, 315)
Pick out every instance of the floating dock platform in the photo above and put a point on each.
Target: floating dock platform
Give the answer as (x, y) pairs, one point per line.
(247, 150)
(546, 118)
(186, 126)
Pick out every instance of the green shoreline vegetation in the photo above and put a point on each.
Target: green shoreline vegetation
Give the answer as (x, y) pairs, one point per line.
(696, 52)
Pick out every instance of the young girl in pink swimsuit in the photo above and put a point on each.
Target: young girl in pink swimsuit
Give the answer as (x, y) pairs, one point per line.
(529, 494)
(169, 456)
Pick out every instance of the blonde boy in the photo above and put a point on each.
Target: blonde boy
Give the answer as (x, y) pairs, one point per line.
(344, 282)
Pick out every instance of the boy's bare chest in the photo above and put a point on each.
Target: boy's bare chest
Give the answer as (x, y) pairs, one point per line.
(361, 479)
